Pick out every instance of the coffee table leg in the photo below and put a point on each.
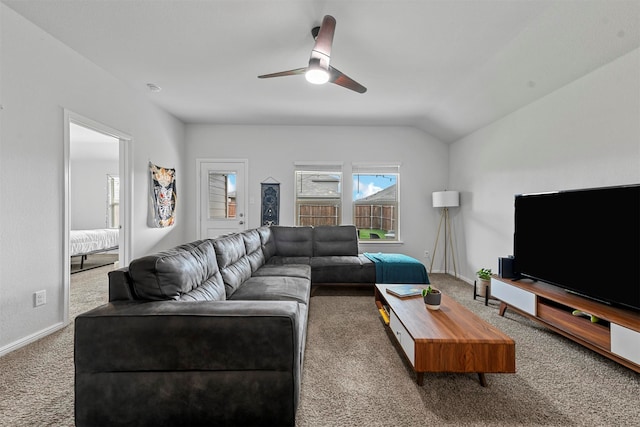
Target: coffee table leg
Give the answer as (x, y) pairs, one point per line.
(419, 377)
(483, 379)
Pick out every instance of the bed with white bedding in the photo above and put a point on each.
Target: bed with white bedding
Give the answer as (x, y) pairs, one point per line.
(87, 242)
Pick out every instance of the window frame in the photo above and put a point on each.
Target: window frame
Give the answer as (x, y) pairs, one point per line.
(113, 201)
(325, 172)
(223, 196)
(392, 234)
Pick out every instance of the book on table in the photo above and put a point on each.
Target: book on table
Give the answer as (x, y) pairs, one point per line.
(404, 291)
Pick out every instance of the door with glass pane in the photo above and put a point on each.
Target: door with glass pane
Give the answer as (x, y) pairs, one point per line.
(222, 202)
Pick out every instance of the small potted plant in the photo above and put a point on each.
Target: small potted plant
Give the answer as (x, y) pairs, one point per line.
(432, 298)
(484, 281)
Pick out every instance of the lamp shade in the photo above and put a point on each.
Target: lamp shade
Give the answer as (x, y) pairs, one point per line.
(445, 199)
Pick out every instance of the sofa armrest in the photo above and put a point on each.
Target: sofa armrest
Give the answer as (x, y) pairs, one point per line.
(188, 363)
(120, 286)
(169, 335)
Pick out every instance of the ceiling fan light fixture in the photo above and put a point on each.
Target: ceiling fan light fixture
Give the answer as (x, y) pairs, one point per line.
(317, 76)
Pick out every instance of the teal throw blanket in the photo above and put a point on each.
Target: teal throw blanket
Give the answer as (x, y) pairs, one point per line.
(398, 268)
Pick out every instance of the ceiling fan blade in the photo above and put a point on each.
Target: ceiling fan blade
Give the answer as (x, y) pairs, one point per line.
(320, 59)
(324, 40)
(341, 79)
(295, 72)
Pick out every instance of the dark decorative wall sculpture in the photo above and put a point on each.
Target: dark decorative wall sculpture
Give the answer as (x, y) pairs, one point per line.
(270, 203)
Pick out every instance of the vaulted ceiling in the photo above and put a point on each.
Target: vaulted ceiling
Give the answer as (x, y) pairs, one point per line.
(448, 67)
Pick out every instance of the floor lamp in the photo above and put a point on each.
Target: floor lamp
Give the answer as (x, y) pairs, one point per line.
(445, 200)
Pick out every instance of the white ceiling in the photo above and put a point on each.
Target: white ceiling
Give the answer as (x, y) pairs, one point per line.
(447, 67)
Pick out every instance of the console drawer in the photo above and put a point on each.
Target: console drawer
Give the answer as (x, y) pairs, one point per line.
(515, 297)
(625, 343)
(403, 337)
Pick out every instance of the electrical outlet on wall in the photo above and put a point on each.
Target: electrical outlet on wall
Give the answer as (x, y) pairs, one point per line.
(39, 298)
(426, 254)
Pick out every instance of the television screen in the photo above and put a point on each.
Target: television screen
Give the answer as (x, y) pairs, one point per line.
(585, 241)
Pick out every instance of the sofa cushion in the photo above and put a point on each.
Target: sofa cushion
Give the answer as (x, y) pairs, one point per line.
(253, 248)
(268, 242)
(187, 272)
(252, 241)
(274, 288)
(285, 260)
(293, 241)
(291, 270)
(335, 240)
(232, 261)
(343, 269)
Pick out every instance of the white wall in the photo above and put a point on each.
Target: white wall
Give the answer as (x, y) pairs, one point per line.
(586, 134)
(88, 192)
(39, 78)
(272, 151)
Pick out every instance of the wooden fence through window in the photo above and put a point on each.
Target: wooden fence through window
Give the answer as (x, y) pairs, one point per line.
(316, 215)
(376, 217)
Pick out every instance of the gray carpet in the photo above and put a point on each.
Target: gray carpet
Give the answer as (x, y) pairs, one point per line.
(36, 381)
(92, 261)
(355, 376)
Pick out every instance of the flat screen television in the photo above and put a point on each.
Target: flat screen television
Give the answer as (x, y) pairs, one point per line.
(585, 241)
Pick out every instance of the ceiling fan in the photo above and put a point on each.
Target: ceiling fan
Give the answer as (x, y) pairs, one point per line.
(319, 71)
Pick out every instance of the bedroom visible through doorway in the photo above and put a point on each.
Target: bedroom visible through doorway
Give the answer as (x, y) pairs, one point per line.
(94, 202)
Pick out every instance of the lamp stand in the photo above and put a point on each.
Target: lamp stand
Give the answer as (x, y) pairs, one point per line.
(447, 231)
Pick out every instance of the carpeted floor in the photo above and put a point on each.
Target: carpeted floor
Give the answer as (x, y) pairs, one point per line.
(36, 381)
(354, 375)
(92, 261)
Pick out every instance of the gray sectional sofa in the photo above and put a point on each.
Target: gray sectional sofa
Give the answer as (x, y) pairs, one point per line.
(211, 332)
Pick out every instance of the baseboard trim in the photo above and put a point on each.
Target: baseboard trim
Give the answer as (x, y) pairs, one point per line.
(31, 338)
(464, 279)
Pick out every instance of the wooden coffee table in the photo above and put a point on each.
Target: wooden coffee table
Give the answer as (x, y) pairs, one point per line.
(451, 339)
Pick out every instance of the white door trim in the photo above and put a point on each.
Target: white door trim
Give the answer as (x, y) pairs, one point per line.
(245, 189)
(126, 195)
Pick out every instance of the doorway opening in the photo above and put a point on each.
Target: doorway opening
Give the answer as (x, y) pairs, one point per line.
(97, 200)
(94, 199)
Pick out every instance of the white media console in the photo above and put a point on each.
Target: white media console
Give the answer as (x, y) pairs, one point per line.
(616, 335)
